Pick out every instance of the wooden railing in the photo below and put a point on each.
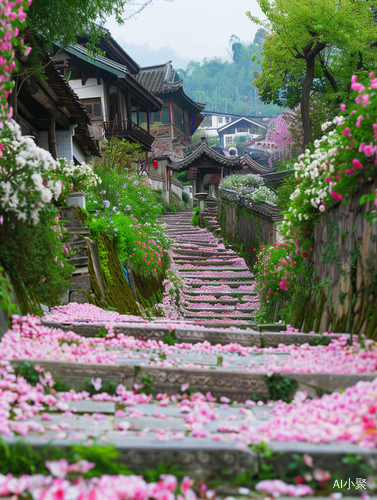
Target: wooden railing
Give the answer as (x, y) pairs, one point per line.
(127, 128)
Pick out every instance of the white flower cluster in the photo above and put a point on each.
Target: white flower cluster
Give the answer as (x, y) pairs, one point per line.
(264, 193)
(311, 173)
(239, 180)
(250, 188)
(82, 176)
(335, 121)
(25, 187)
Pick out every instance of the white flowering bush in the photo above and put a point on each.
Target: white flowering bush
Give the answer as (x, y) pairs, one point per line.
(78, 177)
(25, 184)
(312, 192)
(238, 180)
(250, 189)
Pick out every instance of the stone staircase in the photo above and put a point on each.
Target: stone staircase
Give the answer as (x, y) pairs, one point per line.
(80, 277)
(218, 286)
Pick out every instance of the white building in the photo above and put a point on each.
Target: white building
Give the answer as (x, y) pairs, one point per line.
(228, 127)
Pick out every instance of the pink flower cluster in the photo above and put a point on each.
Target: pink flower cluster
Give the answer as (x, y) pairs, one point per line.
(11, 16)
(277, 487)
(105, 487)
(349, 416)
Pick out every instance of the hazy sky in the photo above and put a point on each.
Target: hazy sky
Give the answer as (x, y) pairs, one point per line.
(184, 30)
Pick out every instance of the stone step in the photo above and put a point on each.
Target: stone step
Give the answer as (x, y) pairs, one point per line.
(78, 261)
(232, 284)
(78, 230)
(190, 301)
(203, 261)
(213, 268)
(218, 294)
(73, 223)
(201, 253)
(78, 243)
(227, 315)
(153, 330)
(216, 277)
(224, 310)
(80, 270)
(225, 257)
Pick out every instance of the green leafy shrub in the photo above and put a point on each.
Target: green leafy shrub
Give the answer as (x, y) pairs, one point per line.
(185, 197)
(37, 257)
(280, 387)
(126, 209)
(108, 386)
(195, 217)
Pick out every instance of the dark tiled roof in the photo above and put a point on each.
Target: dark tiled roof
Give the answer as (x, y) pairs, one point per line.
(119, 70)
(157, 78)
(205, 150)
(248, 162)
(160, 80)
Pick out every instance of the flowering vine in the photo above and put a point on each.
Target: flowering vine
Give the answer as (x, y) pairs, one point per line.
(12, 19)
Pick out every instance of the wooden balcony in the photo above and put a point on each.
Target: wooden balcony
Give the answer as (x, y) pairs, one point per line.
(130, 131)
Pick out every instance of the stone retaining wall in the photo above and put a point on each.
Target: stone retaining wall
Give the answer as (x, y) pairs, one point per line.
(245, 229)
(345, 271)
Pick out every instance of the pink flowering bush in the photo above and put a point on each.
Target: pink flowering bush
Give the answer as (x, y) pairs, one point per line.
(12, 21)
(354, 160)
(277, 270)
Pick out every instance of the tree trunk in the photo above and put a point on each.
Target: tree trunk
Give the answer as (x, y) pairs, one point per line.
(310, 54)
(305, 101)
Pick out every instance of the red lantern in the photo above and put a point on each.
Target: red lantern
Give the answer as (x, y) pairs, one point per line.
(155, 163)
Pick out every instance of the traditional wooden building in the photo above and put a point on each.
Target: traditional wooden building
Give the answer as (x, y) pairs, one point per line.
(48, 110)
(180, 116)
(207, 166)
(109, 90)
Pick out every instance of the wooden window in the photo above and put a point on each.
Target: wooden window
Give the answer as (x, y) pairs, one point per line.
(93, 107)
(219, 119)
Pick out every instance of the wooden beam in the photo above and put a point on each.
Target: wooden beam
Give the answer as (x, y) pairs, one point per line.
(52, 134)
(40, 96)
(55, 98)
(148, 124)
(138, 112)
(24, 109)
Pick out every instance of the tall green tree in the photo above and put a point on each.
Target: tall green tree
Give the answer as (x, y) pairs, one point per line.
(310, 39)
(227, 86)
(63, 20)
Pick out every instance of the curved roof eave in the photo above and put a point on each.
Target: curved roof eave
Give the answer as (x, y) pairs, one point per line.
(204, 148)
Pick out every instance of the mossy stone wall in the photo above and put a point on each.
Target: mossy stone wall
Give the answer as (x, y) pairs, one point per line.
(344, 295)
(245, 230)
